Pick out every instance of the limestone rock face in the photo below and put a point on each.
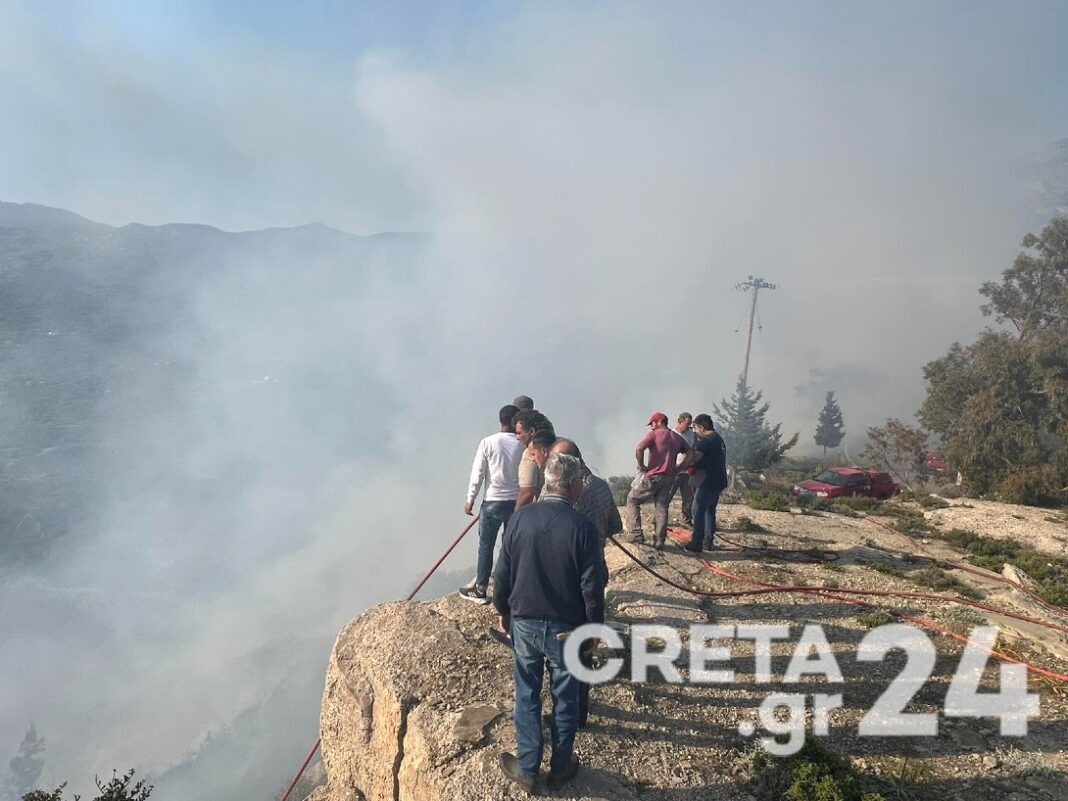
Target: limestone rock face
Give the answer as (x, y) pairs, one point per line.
(413, 693)
(418, 704)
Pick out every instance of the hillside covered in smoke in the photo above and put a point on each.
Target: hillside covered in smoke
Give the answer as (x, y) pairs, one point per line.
(172, 400)
(101, 329)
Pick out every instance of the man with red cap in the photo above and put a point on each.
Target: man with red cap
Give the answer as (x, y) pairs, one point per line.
(656, 478)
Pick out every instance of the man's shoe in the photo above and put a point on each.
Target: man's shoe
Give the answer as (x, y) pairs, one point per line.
(555, 783)
(473, 593)
(692, 548)
(510, 769)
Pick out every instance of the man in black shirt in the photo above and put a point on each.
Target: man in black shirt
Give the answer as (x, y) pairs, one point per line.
(549, 580)
(710, 479)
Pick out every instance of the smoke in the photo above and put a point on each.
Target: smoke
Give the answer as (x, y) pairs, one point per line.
(599, 204)
(598, 181)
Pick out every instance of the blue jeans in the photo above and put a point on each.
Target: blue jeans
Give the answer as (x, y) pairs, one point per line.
(535, 643)
(704, 516)
(491, 517)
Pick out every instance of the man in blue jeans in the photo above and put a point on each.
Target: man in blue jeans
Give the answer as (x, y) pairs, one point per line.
(710, 478)
(496, 467)
(549, 580)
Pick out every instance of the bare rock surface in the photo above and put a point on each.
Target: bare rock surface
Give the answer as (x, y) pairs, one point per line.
(1041, 529)
(418, 698)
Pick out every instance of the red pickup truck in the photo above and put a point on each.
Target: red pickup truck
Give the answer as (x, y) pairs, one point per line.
(845, 482)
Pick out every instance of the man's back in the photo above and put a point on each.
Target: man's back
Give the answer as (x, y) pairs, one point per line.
(497, 466)
(664, 447)
(598, 505)
(549, 567)
(713, 461)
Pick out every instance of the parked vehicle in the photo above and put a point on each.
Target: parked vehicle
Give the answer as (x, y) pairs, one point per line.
(935, 462)
(846, 482)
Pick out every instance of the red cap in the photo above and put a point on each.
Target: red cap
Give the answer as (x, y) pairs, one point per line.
(663, 418)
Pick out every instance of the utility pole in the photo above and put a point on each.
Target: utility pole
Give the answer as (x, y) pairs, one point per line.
(753, 285)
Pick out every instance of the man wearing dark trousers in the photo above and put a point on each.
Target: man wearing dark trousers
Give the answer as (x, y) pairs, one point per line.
(711, 479)
(549, 581)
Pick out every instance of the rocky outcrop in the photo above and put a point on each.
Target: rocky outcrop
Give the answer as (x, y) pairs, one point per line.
(418, 698)
(412, 692)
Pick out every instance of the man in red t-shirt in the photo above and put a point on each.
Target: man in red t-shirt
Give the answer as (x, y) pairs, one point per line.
(656, 478)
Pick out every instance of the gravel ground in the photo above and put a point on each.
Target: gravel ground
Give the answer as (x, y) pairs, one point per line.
(692, 731)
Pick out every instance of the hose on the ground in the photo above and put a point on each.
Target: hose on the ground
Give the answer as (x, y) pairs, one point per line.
(840, 594)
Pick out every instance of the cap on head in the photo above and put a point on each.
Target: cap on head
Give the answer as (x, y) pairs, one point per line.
(658, 417)
(523, 403)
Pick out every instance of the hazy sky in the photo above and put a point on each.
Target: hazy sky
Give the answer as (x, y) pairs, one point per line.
(244, 114)
(598, 177)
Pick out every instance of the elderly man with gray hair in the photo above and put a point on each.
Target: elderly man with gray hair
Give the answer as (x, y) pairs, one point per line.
(549, 580)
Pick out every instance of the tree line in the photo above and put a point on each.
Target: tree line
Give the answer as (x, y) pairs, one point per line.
(24, 773)
(997, 408)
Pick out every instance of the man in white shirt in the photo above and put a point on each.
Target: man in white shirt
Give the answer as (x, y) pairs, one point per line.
(496, 471)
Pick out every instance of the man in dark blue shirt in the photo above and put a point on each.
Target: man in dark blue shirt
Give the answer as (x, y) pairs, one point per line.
(549, 580)
(710, 479)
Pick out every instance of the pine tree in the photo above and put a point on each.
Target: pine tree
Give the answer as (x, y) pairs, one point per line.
(752, 443)
(830, 429)
(25, 767)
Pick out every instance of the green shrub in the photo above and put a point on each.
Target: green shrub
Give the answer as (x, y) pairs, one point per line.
(885, 569)
(747, 524)
(1033, 486)
(812, 774)
(120, 788)
(769, 500)
(842, 506)
(939, 580)
(892, 509)
(860, 503)
(914, 524)
(1050, 573)
(924, 499)
(874, 619)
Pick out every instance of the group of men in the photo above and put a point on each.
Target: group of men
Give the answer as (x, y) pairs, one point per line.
(551, 574)
(701, 474)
